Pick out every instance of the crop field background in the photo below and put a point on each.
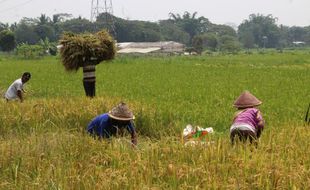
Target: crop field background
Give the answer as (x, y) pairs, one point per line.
(43, 143)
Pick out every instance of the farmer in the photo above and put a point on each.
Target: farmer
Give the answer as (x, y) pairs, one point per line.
(248, 122)
(113, 123)
(89, 80)
(16, 89)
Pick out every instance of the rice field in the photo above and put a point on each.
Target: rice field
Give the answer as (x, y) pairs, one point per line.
(43, 143)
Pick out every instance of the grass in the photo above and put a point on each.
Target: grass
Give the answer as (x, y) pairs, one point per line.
(43, 144)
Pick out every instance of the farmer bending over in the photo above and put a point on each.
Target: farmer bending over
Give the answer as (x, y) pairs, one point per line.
(248, 121)
(113, 123)
(16, 89)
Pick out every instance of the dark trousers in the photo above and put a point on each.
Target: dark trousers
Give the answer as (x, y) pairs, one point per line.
(90, 88)
(243, 135)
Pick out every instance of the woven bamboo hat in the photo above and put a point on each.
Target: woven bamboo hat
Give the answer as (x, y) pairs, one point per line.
(121, 112)
(246, 100)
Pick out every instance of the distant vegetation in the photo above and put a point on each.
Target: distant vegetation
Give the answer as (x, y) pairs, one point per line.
(257, 31)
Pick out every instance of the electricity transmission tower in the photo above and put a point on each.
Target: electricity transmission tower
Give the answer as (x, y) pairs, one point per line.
(104, 9)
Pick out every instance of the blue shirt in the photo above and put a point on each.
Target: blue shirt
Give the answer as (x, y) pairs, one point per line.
(101, 126)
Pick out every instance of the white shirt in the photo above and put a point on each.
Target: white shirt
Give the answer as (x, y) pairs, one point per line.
(11, 93)
(242, 127)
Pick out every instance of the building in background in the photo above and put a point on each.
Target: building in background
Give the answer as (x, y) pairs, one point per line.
(165, 47)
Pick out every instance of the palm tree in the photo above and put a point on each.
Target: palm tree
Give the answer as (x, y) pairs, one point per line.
(43, 19)
(190, 24)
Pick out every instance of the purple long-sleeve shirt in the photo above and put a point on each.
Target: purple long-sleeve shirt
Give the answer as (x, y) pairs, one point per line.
(250, 116)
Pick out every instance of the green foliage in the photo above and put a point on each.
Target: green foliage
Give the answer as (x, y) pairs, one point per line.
(190, 24)
(27, 51)
(3, 26)
(45, 43)
(257, 31)
(137, 31)
(221, 30)
(248, 40)
(25, 34)
(43, 20)
(172, 32)
(7, 40)
(77, 25)
(198, 44)
(45, 31)
(208, 40)
(298, 33)
(52, 49)
(229, 44)
(260, 27)
(49, 47)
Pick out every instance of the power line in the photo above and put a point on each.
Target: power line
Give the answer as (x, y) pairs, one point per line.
(14, 7)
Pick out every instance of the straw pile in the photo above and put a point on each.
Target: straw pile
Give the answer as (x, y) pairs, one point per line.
(83, 49)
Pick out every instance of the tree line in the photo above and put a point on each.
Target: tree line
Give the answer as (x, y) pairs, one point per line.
(197, 33)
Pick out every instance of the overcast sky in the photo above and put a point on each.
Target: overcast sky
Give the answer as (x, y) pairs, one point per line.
(288, 12)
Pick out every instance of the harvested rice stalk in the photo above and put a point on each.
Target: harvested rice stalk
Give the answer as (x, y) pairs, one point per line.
(79, 50)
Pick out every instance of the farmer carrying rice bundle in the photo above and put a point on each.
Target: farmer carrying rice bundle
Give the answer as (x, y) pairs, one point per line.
(114, 123)
(248, 122)
(86, 50)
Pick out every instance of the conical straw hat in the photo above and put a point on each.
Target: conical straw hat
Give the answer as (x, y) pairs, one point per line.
(246, 99)
(121, 112)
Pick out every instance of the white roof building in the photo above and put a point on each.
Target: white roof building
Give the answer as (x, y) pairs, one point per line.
(299, 43)
(150, 47)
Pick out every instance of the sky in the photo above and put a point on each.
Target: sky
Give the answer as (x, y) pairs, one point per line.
(232, 12)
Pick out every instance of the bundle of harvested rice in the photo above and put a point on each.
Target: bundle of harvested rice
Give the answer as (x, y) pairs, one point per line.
(86, 49)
